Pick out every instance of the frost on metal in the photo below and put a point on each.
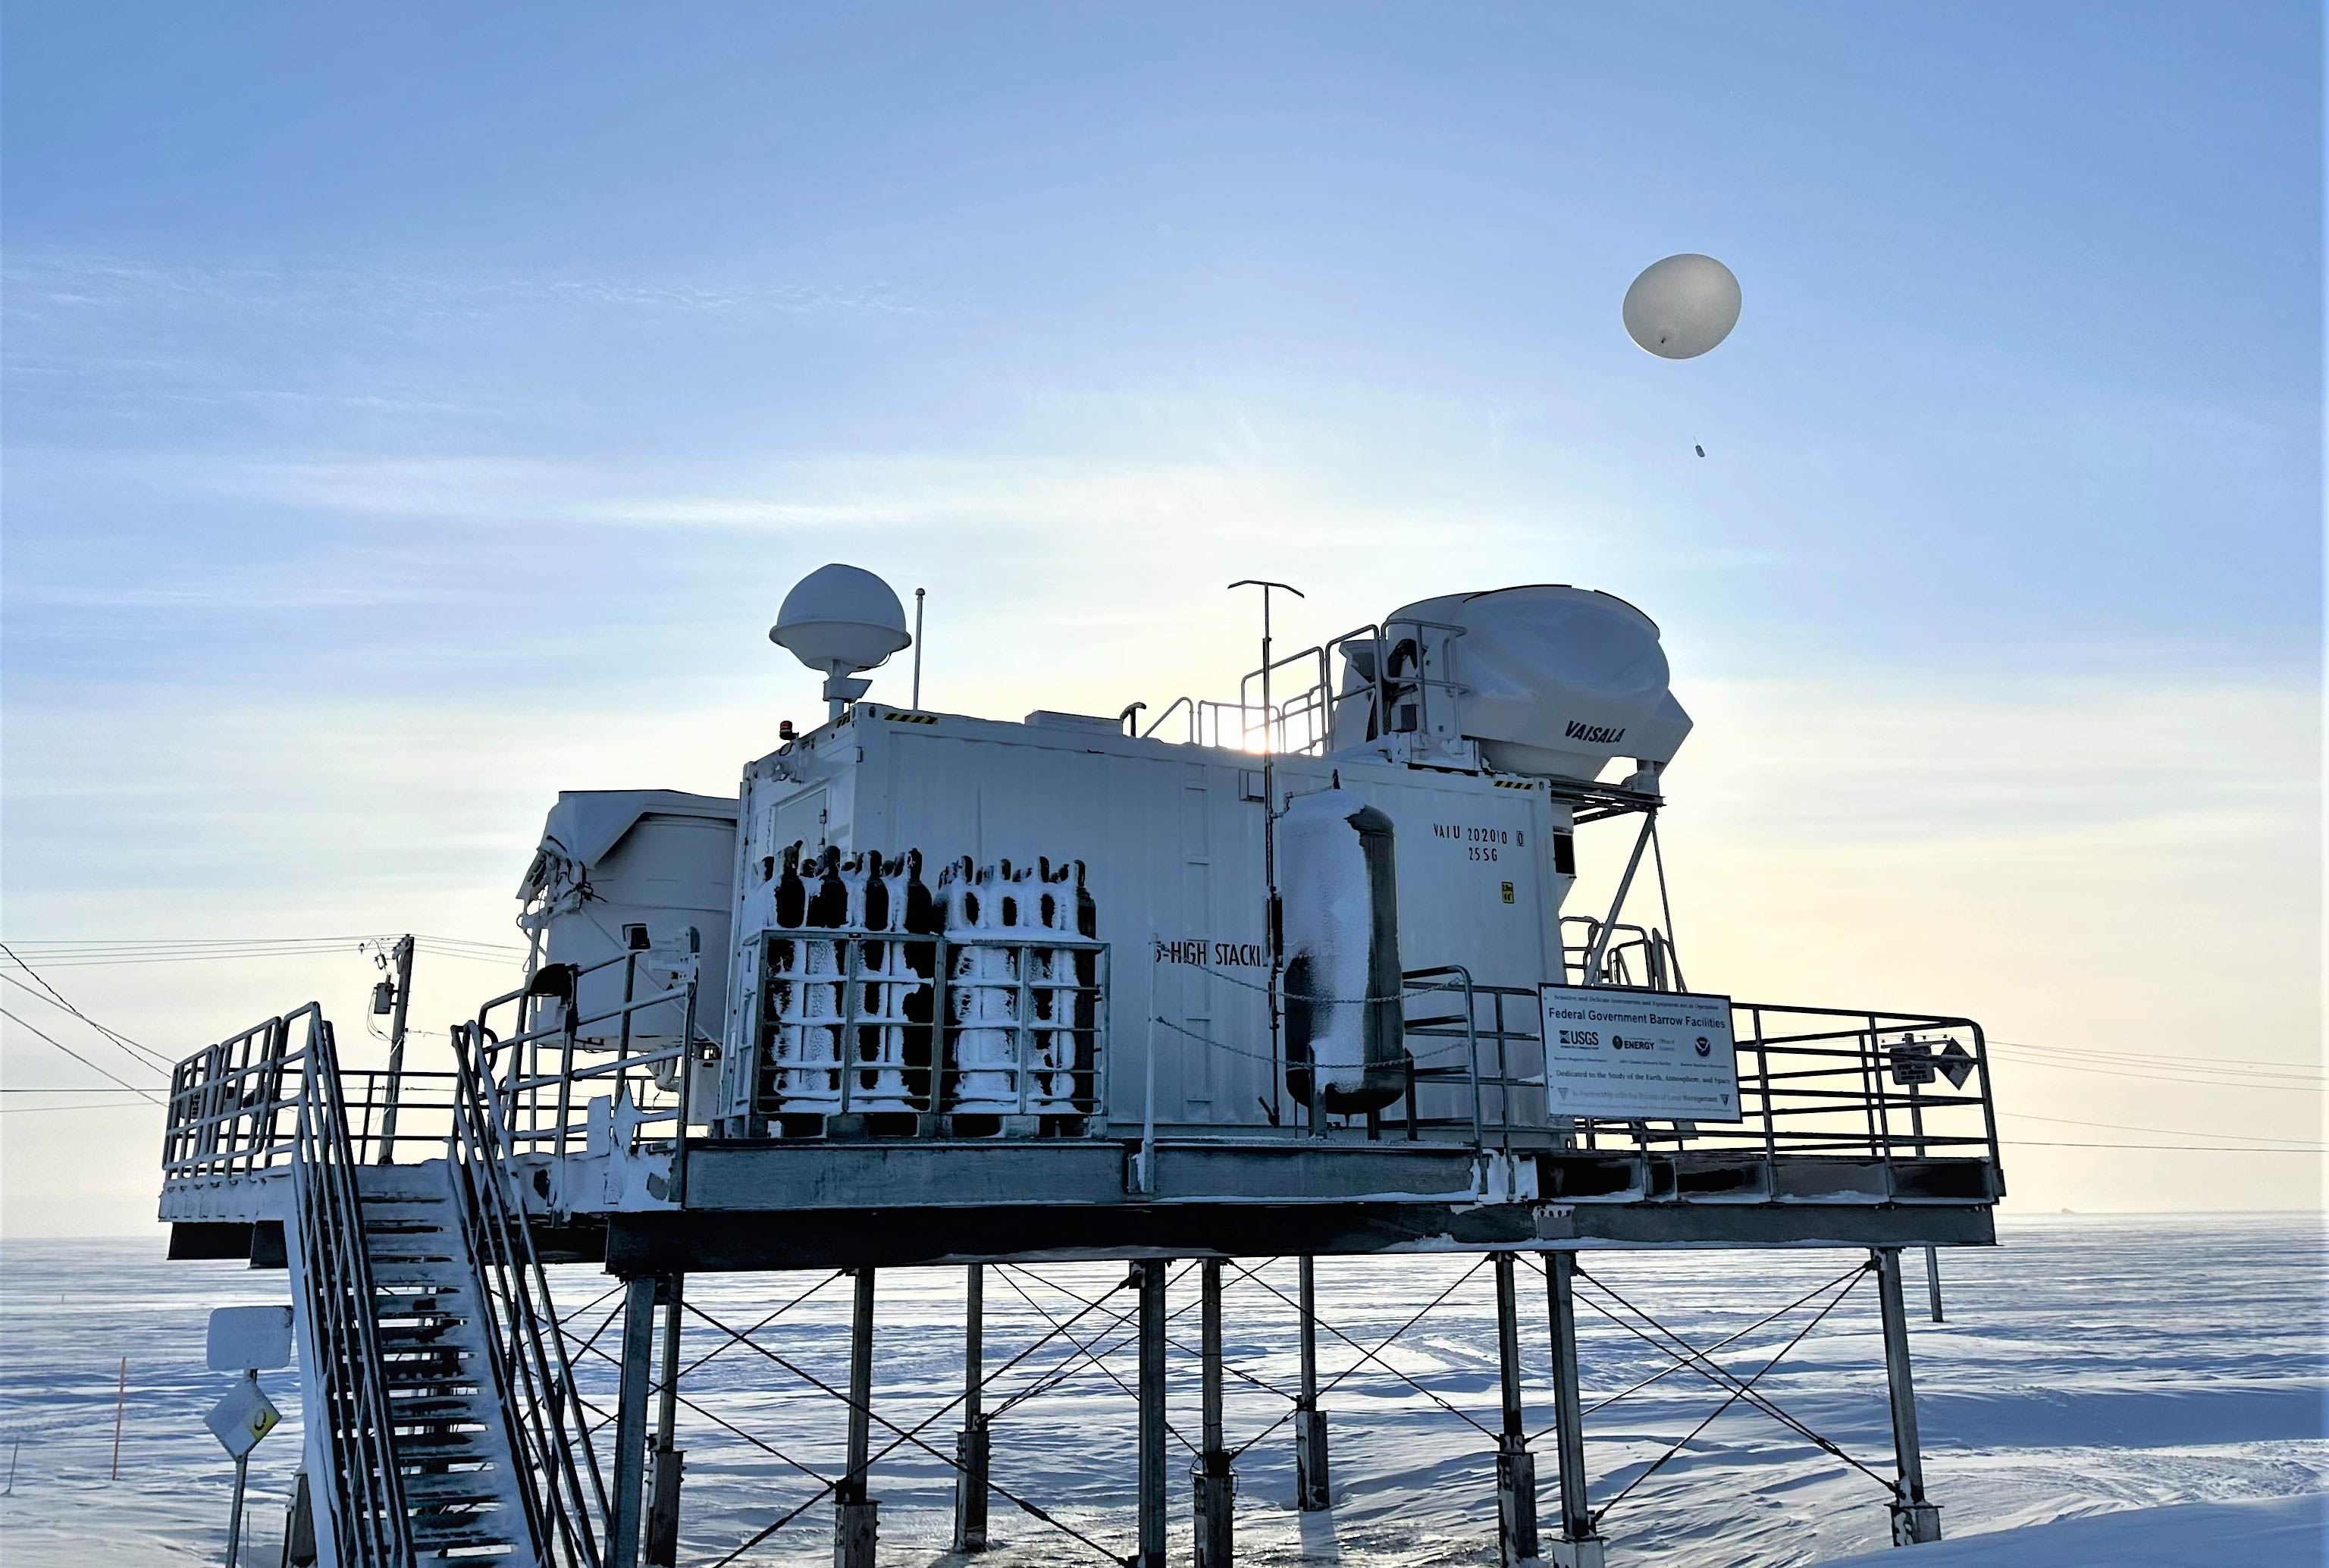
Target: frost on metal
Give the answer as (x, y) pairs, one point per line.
(1006, 998)
(884, 996)
(1342, 979)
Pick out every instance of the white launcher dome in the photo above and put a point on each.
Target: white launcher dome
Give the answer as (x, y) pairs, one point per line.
(1553, 680)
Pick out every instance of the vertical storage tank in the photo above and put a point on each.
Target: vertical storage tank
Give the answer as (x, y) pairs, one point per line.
(1339, 900)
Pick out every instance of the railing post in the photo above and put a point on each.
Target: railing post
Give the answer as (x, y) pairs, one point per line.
(844, 1041)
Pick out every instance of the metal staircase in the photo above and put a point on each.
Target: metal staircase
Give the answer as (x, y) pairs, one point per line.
(448, 1409)
(442, 1424)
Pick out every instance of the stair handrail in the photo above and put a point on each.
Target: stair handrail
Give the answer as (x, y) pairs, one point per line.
(546, 1417)
(370, 1525)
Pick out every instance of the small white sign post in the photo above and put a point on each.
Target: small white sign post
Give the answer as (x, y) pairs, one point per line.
(1618, 1054)
(244, 1339)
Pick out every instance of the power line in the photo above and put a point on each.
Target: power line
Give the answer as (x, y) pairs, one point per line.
(2199, 1078)
(2123, 1126)
(2171, 1148)
(76, 1055)
(150, 1058)
(113, 943)
(2170, 1059)
(95, 952)
(78, 1088)
(92, 1105)
(2116, 1054)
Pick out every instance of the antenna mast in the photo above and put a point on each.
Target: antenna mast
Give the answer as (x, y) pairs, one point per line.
(1269, 914)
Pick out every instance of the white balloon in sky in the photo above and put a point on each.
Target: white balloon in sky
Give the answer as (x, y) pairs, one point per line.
(1680, 308)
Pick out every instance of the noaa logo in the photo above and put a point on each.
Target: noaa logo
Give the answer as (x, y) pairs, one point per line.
(1705, 1047)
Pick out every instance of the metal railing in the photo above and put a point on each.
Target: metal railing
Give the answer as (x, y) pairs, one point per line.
(1393, 702)
(543, 1416)
(1483, 1072)
(1811, 1081)
(348, 1396)
(1628, 948)
(546, 1073)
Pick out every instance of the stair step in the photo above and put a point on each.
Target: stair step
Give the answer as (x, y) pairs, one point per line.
(406, 1203)
(422, 1409)
(444, 1446)
(440, 1272)
(444, 1487)
(479, 1528)
(423, 1182)
(415, 1304)
(423, 1383)
(437, 1334)
(405, 1225)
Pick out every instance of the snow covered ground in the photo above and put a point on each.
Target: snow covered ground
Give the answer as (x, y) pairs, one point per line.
(2088, 1366)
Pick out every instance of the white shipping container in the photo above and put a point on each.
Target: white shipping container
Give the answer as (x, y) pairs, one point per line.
(1171, 837)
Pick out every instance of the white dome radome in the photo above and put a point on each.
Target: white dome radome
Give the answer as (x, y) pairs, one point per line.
(839, 619)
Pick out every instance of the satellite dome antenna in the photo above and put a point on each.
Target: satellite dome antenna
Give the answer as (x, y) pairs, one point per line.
(839, 620)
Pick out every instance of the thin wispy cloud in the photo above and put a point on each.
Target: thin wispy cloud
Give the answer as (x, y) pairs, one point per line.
(49, 283)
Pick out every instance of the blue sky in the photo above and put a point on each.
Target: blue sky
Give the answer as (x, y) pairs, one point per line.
(409, 411)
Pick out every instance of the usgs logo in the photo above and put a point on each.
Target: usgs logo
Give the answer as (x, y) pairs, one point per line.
(1596, 734)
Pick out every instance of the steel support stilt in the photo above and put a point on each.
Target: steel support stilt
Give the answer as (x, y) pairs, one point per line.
(855, 1515)
(1312, 1491)
(1150, 1273)
(971, 1446)
(631, 1421)
(1914, 1519)
(1579, 1547)
(1933, 1280)
(1516, 1542)
(663, 1458)
(1216, 1483)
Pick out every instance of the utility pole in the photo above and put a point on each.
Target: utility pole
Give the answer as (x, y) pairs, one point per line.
(400, 955)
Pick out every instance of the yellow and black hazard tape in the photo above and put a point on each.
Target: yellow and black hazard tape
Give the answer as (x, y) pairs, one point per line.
(897, 718)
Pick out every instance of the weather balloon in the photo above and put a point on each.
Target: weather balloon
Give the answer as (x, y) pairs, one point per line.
(1680, 308)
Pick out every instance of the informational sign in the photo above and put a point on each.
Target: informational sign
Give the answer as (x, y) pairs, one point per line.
(1912, 1063)
(1618, 1054)
(243, 1417)
(249, 1339)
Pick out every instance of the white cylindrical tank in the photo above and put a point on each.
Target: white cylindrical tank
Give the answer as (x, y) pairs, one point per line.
(1342, 981)
(1546, 679)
